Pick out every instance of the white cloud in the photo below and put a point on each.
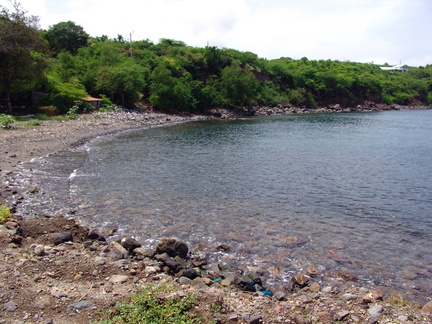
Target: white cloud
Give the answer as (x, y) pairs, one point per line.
(356, 30)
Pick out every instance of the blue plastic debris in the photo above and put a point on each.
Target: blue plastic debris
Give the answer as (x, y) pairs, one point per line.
(217, 280)
(266, 292)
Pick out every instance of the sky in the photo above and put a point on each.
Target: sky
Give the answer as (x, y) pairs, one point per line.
(368, 31)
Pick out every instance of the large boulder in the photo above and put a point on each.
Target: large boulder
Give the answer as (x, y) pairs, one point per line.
(130, 244)
(173, 247)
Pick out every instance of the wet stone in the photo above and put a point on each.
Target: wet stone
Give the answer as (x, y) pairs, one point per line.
(300, 280)
(130, 244)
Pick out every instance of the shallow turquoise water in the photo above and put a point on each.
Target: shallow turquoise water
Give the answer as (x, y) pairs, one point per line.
(339, 192)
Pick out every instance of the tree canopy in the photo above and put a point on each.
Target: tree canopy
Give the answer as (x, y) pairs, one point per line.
(66, 36)
(22, 59)
(172, 75)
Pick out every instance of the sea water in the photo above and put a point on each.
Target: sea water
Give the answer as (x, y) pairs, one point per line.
(343, 192)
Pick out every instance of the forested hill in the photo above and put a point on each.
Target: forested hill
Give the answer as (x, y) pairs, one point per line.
(65, 63)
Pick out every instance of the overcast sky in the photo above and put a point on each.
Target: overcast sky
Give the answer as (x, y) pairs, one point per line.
(378, 31)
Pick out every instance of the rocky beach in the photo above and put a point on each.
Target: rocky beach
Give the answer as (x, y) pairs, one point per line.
(55, 270)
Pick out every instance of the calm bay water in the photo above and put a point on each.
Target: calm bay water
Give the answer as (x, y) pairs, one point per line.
(338, 192)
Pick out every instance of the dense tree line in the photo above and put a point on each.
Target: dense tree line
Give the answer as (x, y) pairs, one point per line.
(66, 64)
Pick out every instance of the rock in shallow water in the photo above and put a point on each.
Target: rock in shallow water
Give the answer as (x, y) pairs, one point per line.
(173, 247)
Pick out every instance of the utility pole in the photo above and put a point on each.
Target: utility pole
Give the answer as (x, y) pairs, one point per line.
(130, 42)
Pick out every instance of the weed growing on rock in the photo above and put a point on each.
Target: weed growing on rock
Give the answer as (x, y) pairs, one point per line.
(5, 213)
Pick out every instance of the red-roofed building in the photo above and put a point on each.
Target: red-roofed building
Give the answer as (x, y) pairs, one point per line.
(95, 102)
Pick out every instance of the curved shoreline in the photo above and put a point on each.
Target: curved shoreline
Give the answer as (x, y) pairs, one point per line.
(72, 133)
(23, 144)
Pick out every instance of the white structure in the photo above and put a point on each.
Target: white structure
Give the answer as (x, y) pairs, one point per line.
(396, 68)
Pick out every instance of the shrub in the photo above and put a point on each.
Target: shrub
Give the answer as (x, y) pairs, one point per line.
(148, 306)
(73, 111)
(107, 104)
(6, 121)
(5, 213)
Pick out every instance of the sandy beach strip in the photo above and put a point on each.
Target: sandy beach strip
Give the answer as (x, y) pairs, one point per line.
(24, 143)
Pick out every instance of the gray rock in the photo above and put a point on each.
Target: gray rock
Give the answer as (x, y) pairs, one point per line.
(142, 251)
(58, 238)
(279, 295)
(199, 283)
(376, 310)
(39, 250)
(10, 306)
(427, 308)
(151, 270)
(185, 281)
(348, 297)
(118, 251)
(341, 315)
(327, 289)
(173, 247)
(99, 260)
(94, 234)
(168, 261)
(300, 280)
(375, 314)
(253, 320)
(56, 292)
(190, 273)
(118, 279)
(223, 247)
(244, 283)
(79, 305)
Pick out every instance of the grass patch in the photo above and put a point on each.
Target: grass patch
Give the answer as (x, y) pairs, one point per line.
(155, 305)
(47, 117)
(5, 213)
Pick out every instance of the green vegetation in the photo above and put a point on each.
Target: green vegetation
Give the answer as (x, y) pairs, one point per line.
(6, 121)
(5, 213)
(153, 305)
(64, 64)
